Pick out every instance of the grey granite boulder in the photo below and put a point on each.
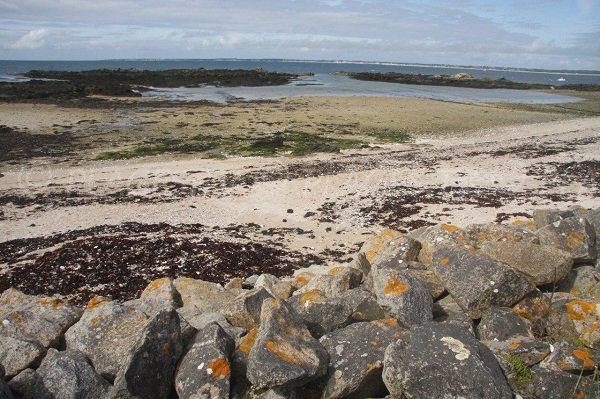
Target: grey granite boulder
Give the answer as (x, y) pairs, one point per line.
(284, 354)
(28, 384)
(337, 281)
(159, 295)
(149, 368)
(478, 282)
(356, 359)
(553, 384)
(544, 217)
(402, 296)
(319, 313)
(17, 355)
(575, 318)
(440, 236)
(446, 310)
(280, 289)
(480, 234)
(244, 310)
(535, 307)
(501, 324)
(42, 319)
(203, 296)
(106, 332)
(363, 305)
(5, 392)
(572, 358)
(542, 264)
(381, 246)
(69, 375)
(582, 282)
(205, 369)
(574, 235)
(441, 360)
(199, 321)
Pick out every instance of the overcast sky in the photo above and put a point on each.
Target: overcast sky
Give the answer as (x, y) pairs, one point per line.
(520, 33)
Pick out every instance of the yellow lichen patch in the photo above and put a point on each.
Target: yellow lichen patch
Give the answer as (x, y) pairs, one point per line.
(16, 317)
(529, 224)
(248, 341)
(385, 324)
(375, 343)
(156, 284)
(96, 302)
(379, 241)
(450, 228)
(523, 313)
(54, 302)
(444, 261)
(584, 356)
(574, 239)
(514, 344)
(336, 270)
(220, 368)
(311, 296)
(395, 287)
(94, 320)
(580, 310)
(303, 278)
(286, 352)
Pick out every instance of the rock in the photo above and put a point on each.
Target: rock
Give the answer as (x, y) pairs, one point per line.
(402, 296)
(552, 384)
(572, 358)
(160, 295)
(203, 296)
(321, 314)
(5, 392)
(69, 375)
(106, 333)
(205, 370)
(439, 236)
(240, 386)
(28, 384)
(501, 324)
(17, 355)
(529, 350)
(285, 354)
(395, 253)
(381, 245)
(337, 281)
(582, 282)
(198, 322)
(573, 235)
(542, 264)
(37, 318)
(534, 307)
(446, 310)
(356, 359)
(250, 281)
(431, 361)
(244, 310)
(544, 217)
(477, 282)
(149, 368)
(480, 234)
(277, 288)
(575, 318)
(430, 282)
(363, 305)
(234, 283)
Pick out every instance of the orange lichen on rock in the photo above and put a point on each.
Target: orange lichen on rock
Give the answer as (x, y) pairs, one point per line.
(303, 278)
(94, 320)
(311, 296)
(578, 309)
(54, 302)
(166, 348)
(385, 324)
(334, 271)
(514, 344)
(450, 228)
(585, 356)
(156, 284)
(444, 261)
(574, 239)
(529, 224)
(285, 352)
(248, 341)
(16, 317)
(220, 368)
(96, 302)
(380, 240)
(395, 287)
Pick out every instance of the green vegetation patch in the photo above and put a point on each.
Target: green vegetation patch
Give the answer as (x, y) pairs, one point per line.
(389, 135)
(522, 370)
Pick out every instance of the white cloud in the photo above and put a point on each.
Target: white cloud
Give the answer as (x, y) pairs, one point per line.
(32, 39)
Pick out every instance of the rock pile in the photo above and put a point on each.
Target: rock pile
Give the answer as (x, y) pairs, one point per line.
(488, 311)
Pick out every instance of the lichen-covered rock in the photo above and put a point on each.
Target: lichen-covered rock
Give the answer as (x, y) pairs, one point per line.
(28, 384)
(441, 360)
(430, 282)
(337, 281)
(69, 375)
(240, 386)
(378, 246)
(542, 264)
(321, 314)
(534, 307)
(149, 368)
(501, 324)
(529, 350)
(17, 355)
(203, 296)
(159, 295)
(439, 236)
(280, 289)
(574, 235)
(553, 384)
(42, 319)
(284, 354)
(480, 234)
(402, 296)
(363, 305)
(446, 310)
(478, 282)
(582, 282)
(544, 217)
(575, 318)
(567, 356)
(356, 359)
(244, 310)
(199, 321)
(106, 332)
(205, 370)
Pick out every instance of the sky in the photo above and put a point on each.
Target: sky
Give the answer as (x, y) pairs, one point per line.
(549, 34)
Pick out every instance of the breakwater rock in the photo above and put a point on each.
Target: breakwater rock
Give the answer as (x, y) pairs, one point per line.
(488, 311)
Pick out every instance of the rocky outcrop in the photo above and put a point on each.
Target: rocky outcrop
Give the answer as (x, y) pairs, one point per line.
(482, 311)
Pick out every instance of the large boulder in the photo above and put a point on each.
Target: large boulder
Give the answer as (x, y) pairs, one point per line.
(356, 359)
(440, 236)
(319, 313)
(244, 310)
(106, 333)
(574, 235)
(582, 282)
(17, 355)
(284, 354)
(28, 384)
(203, 296)
(542, 264)
(575, 318)
(205, 369)
(442, 360)
(380, 246)
(534, 307)
(159, 295)
(481, 234)
(569, 357)
(501, 324)
(363, 305)
(38, 318)
(478, 282)
(149, 368)
(337, 281)
(69, 375)
(553, 384)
